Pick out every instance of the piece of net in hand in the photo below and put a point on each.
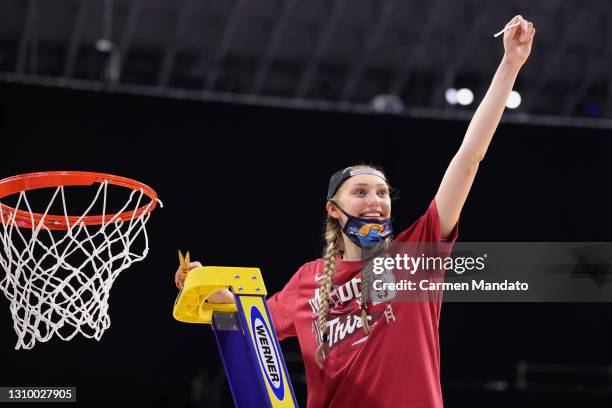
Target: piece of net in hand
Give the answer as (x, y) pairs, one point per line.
(59, 268)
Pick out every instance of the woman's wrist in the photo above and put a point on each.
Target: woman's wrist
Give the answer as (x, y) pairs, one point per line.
(510, 65)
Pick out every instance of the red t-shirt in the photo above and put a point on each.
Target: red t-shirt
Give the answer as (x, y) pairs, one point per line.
(397, 365)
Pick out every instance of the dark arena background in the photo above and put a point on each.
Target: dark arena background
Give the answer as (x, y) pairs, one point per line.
(238, 112)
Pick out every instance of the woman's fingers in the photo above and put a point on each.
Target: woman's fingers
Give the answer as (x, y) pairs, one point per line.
(180, 274)
(521, 30)
(526, 27)
(179, 278)
(511, 33)
(531, 30)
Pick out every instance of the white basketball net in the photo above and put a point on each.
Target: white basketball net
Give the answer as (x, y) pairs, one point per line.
(58, 281)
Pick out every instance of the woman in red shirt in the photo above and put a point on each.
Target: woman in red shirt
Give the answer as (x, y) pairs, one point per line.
(361, 351)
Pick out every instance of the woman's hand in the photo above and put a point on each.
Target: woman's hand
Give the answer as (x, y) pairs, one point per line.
(518, 40)
(220, 296)
(180, 275)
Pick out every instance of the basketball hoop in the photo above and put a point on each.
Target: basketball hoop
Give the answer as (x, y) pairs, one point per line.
(59, 268)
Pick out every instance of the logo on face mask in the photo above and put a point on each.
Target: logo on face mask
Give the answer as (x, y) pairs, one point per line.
(370, 230)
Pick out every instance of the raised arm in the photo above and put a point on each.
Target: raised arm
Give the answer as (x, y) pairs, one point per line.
(460, 174)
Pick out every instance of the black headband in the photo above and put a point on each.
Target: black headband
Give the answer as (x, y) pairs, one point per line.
(341, 176)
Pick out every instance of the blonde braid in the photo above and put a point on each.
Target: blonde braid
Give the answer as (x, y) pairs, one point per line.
(333, 236)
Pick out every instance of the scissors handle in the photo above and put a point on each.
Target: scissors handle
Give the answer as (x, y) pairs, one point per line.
(184, 262)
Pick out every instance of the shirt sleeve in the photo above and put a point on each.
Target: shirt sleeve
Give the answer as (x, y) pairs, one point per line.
(282, 307)
(425, 232)
(427, 228)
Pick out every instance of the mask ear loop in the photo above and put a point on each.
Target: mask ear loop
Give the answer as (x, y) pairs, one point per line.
(343, 212)
(349, 216)
(338, 207)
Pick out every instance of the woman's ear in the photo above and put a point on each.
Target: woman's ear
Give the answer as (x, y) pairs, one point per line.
(332, 211)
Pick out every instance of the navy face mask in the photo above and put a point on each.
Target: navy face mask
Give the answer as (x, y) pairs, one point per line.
(366, 233)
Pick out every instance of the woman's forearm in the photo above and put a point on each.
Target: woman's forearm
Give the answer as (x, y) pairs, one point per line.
(489, 112)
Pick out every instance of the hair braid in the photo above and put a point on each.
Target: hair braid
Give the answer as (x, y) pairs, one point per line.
(333, 237)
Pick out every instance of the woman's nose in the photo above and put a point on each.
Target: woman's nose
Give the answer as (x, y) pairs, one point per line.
(372, 198)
